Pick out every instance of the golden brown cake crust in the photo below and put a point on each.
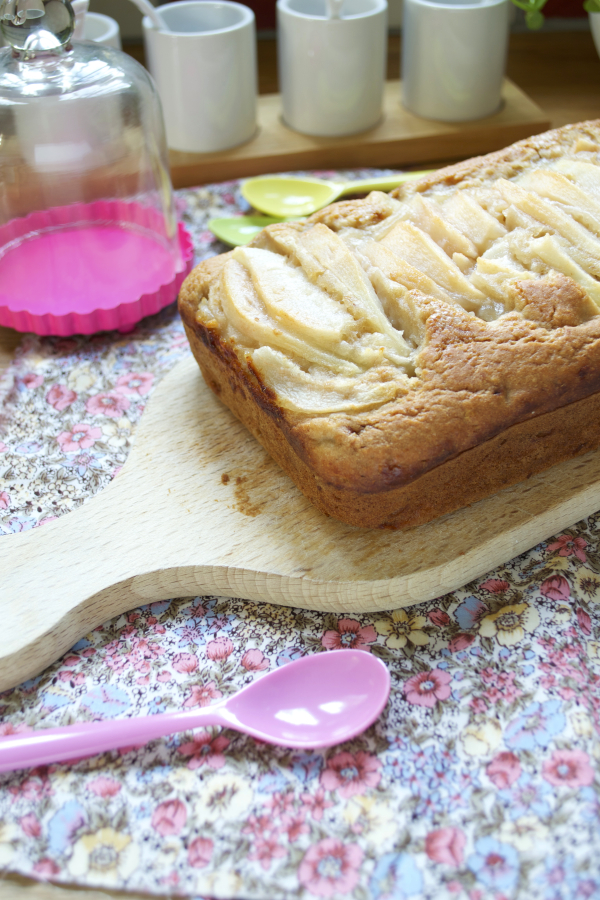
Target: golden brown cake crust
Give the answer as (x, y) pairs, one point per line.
(494, 405)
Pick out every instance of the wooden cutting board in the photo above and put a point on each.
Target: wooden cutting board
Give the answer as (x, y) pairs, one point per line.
(200, 508)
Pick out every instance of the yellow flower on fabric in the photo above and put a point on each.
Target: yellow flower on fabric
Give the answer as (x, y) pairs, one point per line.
(593, 649)
(481, 740)
(588, 584)
(525, 833)
(224, 883)
(107, 857)
(582, 723)
(562, 614)
(510, 623)
(8, 834)
(400, 629)
(224, 797)
(558, 563)
(81, 379)
(373, 820)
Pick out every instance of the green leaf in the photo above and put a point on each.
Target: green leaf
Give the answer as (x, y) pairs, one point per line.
(534, 20)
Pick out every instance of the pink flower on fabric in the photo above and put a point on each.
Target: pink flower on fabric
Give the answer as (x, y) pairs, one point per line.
(568, 546)
(169, 817)
(7, 728)
(266, 849)
(30, 380)
(280, 803)
(258, 825)
(446, 845)
(460, 642)
(31, 825)
(185, 662)
(138, 383)
(426, 688)
(569, 767)
(46, 868)
(351, 773)
(80, 437)
(3, 447)
(4, 500)
(109, 404)
(439, 617)
(254, 661)
(585, 623)
(219, 649)
(495, 585)
(556, 588)
(349, 635)
(316, 804)
(104, 787)
(60, 396)
(200, 852)
(330, 867)
(204, 749)
(504, 770)
(294, 825)
(202, 695)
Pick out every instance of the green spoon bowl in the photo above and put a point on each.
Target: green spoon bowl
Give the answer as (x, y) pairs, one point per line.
(239, 230)
(295, 197)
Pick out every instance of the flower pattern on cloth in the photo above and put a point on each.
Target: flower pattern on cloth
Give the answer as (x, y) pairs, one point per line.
(478, 782)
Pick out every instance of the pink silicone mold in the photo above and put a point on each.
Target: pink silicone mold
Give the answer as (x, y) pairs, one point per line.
(92, 267)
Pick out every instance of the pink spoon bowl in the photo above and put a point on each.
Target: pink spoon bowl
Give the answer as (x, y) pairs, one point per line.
(84, 268)
(317, 701)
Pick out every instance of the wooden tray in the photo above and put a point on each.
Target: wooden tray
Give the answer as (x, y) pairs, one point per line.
(199, 508)
(400, 139)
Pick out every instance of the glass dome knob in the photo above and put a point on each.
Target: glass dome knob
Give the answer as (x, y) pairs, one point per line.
(34, 26)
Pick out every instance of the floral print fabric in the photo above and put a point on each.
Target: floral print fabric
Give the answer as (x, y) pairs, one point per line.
(478, 781)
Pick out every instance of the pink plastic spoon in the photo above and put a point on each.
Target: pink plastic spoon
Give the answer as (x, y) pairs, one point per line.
(316, 701)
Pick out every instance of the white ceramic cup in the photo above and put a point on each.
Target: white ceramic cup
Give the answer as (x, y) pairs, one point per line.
(102, 30)
(331, 71)
(454, 57)
(205, 71)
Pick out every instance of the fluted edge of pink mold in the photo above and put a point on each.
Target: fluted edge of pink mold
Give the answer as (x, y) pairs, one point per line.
(122, 317)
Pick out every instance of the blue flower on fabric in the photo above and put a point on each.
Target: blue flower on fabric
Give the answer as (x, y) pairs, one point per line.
(495, 864)
(564, 881)
(193, 632)
(272, 782)
(107, 701)
(289, 655)
(538, 724)
(307, 766)
(526, 797)
(63, 825)
(470, 612)
(396, 877)
(157, 608)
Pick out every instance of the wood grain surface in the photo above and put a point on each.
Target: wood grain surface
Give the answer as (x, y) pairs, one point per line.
(399, 139)
(199, 508)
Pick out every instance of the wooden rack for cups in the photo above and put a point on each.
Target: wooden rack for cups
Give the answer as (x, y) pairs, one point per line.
(401, 139)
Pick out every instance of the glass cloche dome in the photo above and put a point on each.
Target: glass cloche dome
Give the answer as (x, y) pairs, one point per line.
(88, 235)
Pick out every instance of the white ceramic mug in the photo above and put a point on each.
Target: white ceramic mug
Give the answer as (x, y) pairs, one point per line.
(205, 71)
(454, 57)
(102, 30)
(331, 71)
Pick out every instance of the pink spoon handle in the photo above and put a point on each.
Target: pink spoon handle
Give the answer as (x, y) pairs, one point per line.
(20, 751)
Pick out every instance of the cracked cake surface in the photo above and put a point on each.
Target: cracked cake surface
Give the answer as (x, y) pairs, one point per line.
(403, 355)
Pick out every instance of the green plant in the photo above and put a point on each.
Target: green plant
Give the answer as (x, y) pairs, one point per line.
(533, 10)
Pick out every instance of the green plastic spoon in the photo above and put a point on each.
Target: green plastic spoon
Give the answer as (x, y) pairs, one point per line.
(285, 197)
(239, 230)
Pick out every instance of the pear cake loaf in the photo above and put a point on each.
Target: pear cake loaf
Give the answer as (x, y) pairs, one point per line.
(404, 355)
